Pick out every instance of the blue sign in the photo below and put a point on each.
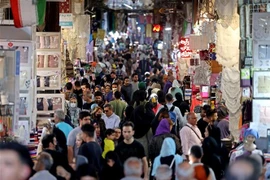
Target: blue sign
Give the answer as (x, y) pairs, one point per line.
(17, 71)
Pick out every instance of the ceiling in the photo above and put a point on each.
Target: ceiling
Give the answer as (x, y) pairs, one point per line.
(144, 4)
(130, 4)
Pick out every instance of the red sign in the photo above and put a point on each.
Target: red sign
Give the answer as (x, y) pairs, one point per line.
(10, 44)
(184, 47)
(156, 28)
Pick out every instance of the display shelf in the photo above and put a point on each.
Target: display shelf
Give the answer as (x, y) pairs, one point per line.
(49, 73)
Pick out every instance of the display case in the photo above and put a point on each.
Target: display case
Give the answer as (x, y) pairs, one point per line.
(27, 80)
(25, 48)
(9, 91)
(48, 103)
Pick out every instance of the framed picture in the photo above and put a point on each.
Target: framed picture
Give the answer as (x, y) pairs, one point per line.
(261, 116)
(23, 132)
(48, 60)
(261, 56)
(261, 84)
(260, 26)
(25, 78)
(48, 41)
(48, 103)
(49, 79)
(25, 106)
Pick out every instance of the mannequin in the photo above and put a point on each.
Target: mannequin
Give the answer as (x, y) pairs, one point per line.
(248, 147)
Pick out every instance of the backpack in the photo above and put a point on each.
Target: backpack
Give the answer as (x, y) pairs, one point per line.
(171, 113)
(173, 117)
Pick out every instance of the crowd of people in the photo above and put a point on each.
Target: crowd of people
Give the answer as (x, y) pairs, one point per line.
(131, 127)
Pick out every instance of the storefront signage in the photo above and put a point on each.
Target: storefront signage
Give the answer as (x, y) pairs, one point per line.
(184, 47)
(66, 20)
(156, 28)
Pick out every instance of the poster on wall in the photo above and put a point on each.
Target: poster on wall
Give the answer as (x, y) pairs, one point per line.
(261, 116)
(261, 57)
(24, 108)
(261, 83)
(25, 78)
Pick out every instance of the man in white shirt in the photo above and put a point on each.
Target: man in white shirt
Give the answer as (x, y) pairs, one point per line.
(190, 134)
(110, 118)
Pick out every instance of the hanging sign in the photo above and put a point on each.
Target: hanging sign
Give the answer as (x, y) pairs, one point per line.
(184, 47)
(66, 20)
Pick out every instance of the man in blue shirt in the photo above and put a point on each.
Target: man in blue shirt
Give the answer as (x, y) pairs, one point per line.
(59, 118)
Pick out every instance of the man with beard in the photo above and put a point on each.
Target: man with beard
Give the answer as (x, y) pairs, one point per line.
(131, 148)
(126, 89)
(84, 118)
(78, 91)
(135, 82)
(99, 100)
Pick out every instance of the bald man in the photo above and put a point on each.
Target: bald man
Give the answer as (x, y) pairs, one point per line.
(190, 134)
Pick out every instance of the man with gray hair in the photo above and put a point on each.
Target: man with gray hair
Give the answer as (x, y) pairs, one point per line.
(133, 169)
(164, 172)
(185, 171)
(59, 119)
(43, 165)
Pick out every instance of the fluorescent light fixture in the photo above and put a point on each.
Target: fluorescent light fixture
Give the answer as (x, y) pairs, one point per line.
(128, 6)
(168, 29)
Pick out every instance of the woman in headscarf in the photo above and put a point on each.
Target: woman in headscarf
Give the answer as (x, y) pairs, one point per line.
(163, 131)
(127, 115)
(214, 132)
(113, 169)
(211, 156)
(182, 105)
(167, 156)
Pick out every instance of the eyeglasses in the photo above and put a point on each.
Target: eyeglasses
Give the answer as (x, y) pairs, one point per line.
(106, 111)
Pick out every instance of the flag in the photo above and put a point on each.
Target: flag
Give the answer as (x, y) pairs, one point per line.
(41, 11)
(28, 12)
